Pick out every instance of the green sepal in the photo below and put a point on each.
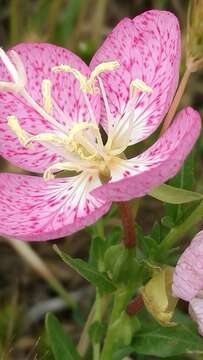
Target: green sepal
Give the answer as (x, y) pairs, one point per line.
(173, 195)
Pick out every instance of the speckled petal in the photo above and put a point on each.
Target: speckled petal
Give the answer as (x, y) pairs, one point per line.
(147, 48)
(196, 312)
(188, 275)
(35, 210)
(137, 176)
(38, 60)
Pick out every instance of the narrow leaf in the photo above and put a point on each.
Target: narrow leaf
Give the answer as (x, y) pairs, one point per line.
(172, 195)
(59, 341)
(88, 272)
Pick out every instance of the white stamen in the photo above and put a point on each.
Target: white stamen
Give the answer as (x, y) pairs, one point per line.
(63, 166)
(46, 137)
(89, 107)
(106, 104)
(41, 111)
(91, 112)
(10, 67)
(19, 66)
(79, 76)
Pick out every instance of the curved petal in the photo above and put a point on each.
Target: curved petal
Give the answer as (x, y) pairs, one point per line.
(137, 176)
(196, 312)
(34, 210)
(147, 48)
(188, 275)
(38, 59)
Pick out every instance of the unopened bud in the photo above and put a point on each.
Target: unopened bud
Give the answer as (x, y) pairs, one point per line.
(157, 296)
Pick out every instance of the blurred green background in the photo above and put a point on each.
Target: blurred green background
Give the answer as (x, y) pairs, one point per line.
(25, 294)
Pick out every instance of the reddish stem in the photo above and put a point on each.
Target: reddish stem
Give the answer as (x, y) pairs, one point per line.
(127, 218)
(176, 100)
(135, 305)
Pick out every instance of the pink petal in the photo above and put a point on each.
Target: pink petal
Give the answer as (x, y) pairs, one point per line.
(188, 275)
(38, 60)
(137, 176)
(147, 48)
(196, 312)
(35, 210)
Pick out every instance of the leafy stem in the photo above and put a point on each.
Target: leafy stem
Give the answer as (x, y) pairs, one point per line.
(97, 317)
(120, 300)
(177, 232)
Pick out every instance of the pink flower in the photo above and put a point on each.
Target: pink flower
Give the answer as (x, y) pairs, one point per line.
(52, 106)
(196, 311)
(188, 279)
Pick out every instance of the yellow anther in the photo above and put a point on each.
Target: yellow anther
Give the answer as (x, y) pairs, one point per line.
(139, 85)
(88, 84)
(46, 92)
(79, 76)
(105, 66)
(14, 125)
(26, 139)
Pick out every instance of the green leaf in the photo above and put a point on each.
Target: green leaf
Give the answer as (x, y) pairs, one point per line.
(96, 278)
(185, 177)
(97, 250)
(97, 331)
(60, 342)
(120, 354)
(183, 180)
(156, 340)
(172, 195)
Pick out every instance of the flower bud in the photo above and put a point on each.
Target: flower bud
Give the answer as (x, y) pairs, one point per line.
(157, 296)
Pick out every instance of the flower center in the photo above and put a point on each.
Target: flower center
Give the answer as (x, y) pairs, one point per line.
(81, 145)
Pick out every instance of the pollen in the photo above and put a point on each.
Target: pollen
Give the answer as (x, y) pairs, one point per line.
(21, 134)
(139, 85)
(46, 92)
